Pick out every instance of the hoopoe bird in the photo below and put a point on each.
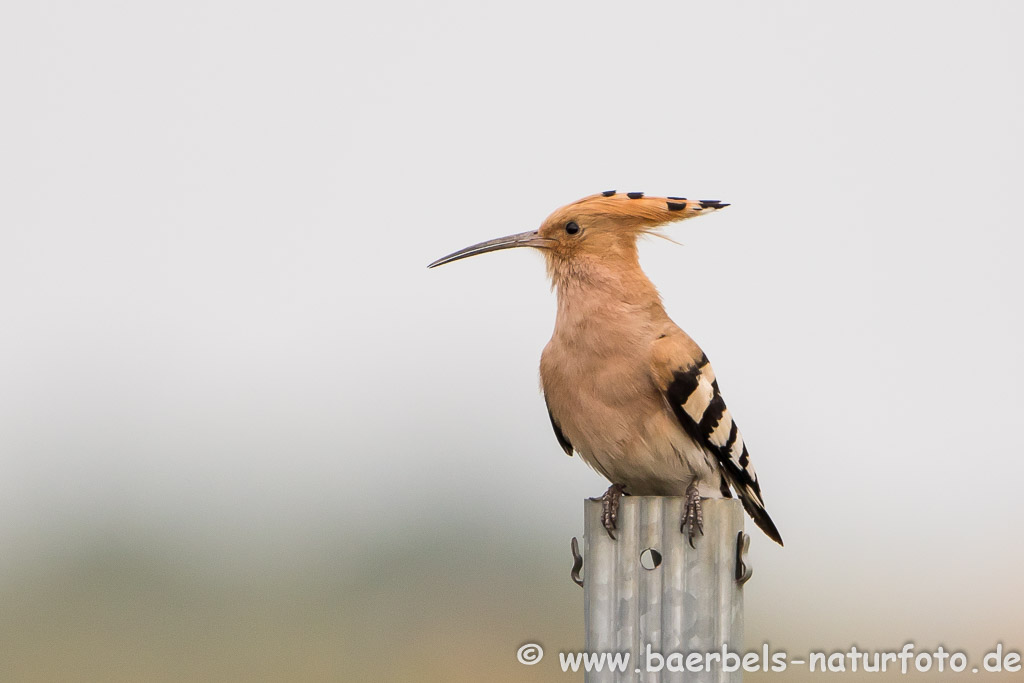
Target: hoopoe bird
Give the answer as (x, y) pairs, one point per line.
(625, 387)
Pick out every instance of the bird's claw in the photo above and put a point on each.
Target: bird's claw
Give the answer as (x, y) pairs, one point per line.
(610, 507)
(693, 515)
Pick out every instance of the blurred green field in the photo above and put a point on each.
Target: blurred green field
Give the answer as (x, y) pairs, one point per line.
(141, 607)
(442, 604)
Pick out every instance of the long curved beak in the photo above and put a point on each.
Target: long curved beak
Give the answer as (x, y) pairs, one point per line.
(523, 239)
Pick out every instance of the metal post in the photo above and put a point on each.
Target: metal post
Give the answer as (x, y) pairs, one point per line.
(675, 599)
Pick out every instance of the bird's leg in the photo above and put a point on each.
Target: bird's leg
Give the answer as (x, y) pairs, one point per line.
(693, 514)
(610, 507)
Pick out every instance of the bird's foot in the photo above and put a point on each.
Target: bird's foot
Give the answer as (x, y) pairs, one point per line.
(610, 507)
(693, 515)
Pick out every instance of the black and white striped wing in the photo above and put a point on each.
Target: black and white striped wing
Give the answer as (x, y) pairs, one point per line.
(694, 396)
(562, 441)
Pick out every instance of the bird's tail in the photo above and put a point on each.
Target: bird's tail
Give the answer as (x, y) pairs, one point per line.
(750, 495)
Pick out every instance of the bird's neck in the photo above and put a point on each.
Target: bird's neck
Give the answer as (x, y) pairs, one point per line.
(608, 297)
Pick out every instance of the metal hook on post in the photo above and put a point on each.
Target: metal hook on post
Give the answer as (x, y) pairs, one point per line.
(577, 563)
(743, 570)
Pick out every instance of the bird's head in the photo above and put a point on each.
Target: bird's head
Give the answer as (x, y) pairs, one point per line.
(599, 228)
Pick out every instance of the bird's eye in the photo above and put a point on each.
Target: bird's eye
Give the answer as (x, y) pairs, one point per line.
(572, 228)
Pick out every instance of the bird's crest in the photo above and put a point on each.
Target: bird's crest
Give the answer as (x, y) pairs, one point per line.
(640, 212)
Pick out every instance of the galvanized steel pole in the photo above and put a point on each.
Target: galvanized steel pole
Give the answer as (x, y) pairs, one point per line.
(650, 588)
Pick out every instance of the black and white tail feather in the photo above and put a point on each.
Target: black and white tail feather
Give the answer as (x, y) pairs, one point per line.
(698, 404)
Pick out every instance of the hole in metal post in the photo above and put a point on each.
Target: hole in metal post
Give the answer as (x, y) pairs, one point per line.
(650, 559)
